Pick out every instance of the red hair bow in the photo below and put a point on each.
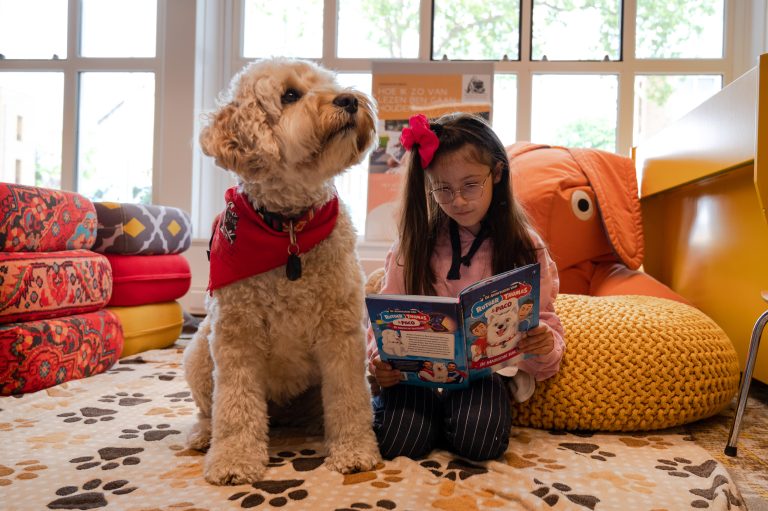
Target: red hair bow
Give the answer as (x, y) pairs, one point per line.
(419, 133)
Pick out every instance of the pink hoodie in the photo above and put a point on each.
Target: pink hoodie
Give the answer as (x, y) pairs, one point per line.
(541, 367)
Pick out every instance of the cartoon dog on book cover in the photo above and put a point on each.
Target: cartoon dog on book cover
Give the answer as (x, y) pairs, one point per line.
(502, 327)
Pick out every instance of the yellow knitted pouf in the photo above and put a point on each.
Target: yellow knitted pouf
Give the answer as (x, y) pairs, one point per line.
(633, 363)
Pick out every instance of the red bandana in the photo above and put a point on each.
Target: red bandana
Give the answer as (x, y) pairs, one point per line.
(243, 244)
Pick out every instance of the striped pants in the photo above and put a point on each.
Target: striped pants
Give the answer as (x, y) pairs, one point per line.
(473, 422)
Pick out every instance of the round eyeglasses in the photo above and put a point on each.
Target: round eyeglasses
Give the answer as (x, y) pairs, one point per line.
(469, 191)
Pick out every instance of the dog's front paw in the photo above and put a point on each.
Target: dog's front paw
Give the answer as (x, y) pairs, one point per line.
(352, 458)
(224, 467)
(199, 437)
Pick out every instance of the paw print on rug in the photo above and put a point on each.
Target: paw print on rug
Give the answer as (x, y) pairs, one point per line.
(456, 468)
(584, 449)
(672, 467)
(384, 504)
(133, 360)
(27, 470)
(552, 494)
(18, 423)
(57, 440)
(111, 455)
(580, 434)
(532, 460)
(452, 496)
(626, 482)
(682, 467)
(284, 490)
(89, 415)
(304, 461)
(654, 442)
(90, 498)
(122, 365)
(177, 397)
(164, 376)
(151, 434)
(172, 411)
(125, 399)
(379, 477)
(710, 494)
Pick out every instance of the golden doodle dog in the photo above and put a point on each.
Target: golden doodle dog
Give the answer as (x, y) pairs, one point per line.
(285, 310)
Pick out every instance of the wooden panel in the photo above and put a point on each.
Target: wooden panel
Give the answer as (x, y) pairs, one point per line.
(708, 241)
(761, 146)
(704, 192)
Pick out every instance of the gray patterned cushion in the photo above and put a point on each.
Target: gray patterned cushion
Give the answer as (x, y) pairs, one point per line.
(141, 229)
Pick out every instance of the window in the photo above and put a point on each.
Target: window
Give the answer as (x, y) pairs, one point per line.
(580, 30)
(31, 105)
(86, 81)
(597, 73)
(663, 57)
(289, 27)
(476, 30)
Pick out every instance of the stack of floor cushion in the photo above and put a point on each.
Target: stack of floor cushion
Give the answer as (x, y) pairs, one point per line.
(143, 244)
(54, 326)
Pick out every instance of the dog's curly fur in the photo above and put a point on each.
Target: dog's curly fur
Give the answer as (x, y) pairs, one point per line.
(286, 129)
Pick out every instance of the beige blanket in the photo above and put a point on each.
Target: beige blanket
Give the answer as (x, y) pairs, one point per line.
(116, 441)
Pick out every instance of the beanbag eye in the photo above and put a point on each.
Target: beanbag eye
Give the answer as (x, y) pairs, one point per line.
(582, 205)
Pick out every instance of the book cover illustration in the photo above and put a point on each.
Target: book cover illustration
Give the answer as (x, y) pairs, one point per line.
(497, 317)
(421, 339)
(446, 342)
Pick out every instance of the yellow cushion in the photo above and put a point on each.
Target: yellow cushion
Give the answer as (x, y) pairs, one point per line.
(147, 327)
(633, 363)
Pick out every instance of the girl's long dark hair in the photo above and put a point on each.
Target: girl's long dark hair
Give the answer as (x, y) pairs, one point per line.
(421, 218)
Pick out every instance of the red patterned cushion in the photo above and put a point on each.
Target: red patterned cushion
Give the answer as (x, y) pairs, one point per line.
(144, 279)
(37, 285)
(34, 219)
(39, 354)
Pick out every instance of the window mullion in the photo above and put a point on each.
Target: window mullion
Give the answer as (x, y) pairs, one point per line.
(626, 99)
(524, 74)
(71, 98)
(330, 29)
(425, 29)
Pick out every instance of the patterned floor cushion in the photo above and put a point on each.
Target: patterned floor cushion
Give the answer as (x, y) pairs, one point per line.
(141, 229)
(147, 327)
(38, 285)
(34, 219)
(36, 355)
(141, 279)
(634, 363)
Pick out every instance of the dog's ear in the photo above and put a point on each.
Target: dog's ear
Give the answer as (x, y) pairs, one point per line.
(240, 139)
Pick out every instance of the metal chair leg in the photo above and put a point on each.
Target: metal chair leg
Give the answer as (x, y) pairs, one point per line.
(746, 379)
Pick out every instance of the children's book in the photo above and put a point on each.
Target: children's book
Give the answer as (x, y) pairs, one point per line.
(446, 342)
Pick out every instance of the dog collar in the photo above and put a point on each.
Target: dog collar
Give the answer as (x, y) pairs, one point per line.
(246, 242)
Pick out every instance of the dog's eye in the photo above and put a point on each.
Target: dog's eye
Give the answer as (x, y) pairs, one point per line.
(290, 96)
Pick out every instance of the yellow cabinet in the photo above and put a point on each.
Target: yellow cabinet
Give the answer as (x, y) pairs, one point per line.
(704, 190)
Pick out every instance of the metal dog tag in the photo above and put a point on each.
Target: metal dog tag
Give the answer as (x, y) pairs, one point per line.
(293, 267)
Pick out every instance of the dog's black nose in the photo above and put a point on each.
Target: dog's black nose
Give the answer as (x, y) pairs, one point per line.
(346, 101)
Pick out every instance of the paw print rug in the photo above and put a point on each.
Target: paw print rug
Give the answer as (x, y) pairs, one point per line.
(116, 441)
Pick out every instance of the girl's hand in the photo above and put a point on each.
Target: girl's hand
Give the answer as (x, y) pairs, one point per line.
(384, 374)
(538, 341)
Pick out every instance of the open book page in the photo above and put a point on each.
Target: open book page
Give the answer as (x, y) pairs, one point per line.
(422, 337)
(497, 312)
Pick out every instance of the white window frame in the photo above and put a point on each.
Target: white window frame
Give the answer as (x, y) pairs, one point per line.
(174, 70)
(739, 55)
(198, 46)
